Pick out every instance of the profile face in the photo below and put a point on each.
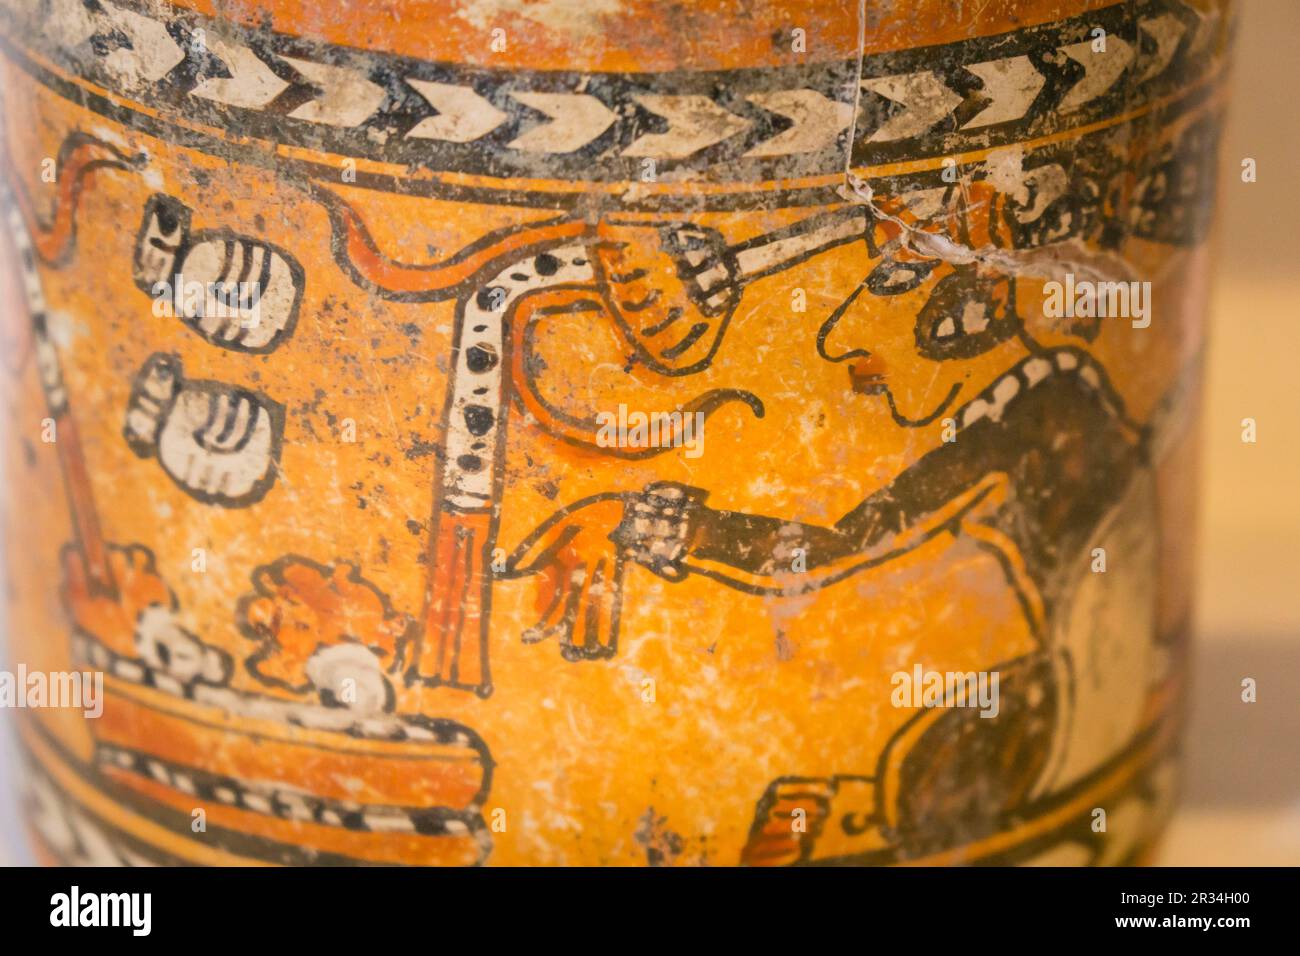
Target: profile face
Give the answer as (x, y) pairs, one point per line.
(951, 294)
(927, 350)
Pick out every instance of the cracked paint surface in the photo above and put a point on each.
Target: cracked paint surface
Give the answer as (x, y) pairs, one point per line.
(364, 581)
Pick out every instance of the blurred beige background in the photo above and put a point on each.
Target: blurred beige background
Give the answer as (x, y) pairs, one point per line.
(1241, 804)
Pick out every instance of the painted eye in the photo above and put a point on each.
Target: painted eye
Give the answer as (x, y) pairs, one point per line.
(966, 316)
(892, 277)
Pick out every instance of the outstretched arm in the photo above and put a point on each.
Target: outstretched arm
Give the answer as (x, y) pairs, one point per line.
(1034, 473)
(1041, 467)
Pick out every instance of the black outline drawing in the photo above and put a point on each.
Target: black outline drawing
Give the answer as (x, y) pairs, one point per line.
(747, 127)
(166, 209)
(267, 575)
(159, 409)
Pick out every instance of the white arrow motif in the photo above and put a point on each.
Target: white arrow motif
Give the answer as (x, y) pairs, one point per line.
(251, 84)
(1012, 84)
(153, 52)
(818, 121)
(1206, 30)
(694, 122)
(463, 115)
(348, 98)
(1166, 30)
(927, 100)
(1101, 70)
(575, 120)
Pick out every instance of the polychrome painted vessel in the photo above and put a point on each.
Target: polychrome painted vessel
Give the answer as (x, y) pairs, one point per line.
(610, 432)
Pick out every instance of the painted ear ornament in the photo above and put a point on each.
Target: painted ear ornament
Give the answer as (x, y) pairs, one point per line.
(219, 443)
(237, 292)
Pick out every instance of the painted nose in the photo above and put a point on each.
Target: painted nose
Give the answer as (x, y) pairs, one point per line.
(866, 370)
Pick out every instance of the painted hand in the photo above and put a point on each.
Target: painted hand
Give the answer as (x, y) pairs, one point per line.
(582, 552)
(582, 575)
(672, 289)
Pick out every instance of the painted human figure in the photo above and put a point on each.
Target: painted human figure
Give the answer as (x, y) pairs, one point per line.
(1043, 468)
